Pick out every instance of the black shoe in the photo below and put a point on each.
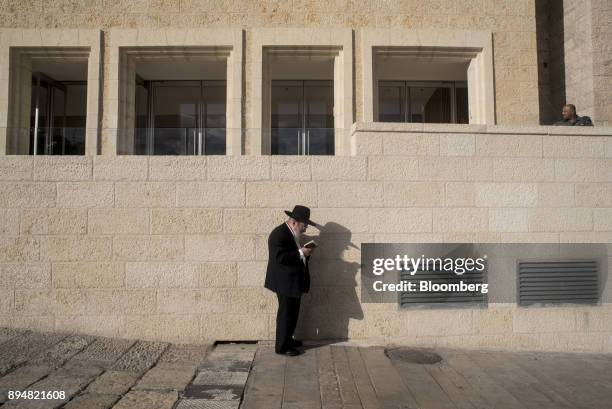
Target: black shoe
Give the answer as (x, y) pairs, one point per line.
(290, 352)
(296, 343)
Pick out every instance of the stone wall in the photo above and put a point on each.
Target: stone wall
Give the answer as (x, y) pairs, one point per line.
(602, 61)
(174, 248)
(579, 52)
(577, 31)
(512, 23)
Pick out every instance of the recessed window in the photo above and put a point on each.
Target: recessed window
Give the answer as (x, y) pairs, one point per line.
(301, 100)
(175, 101)
(48, 112)
(422, 85)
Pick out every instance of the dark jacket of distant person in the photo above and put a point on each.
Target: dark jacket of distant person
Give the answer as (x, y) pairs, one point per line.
(570, 118)
(577, 121)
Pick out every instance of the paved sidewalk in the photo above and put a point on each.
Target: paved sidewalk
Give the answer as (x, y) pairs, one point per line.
(103, 373)
(347, 377)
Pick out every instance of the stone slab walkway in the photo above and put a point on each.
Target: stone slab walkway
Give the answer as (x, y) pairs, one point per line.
(220, 380)
(104, 373)
(95, 372)
(350, 377)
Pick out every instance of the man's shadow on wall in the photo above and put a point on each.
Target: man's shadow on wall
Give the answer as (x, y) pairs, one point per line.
(332, 301)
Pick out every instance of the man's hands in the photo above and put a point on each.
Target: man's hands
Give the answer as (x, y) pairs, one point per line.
(307, 251)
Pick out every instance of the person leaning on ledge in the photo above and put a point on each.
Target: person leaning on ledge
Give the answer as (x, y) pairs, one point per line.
(569, 117)
(288, 276)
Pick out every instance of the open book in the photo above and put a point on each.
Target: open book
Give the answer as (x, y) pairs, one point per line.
(311, 244)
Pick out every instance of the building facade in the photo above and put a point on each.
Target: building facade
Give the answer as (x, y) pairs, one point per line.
(148, 147)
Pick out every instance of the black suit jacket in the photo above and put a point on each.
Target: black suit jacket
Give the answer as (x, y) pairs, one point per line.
(286, 273)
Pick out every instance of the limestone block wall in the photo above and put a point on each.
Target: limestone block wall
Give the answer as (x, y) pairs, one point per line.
(586, 30)
(602, 61)
(511, 22)
(175, 248)
(577, 31)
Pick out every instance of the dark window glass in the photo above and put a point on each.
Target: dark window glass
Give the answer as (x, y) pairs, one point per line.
(180, 118)
(401, 101)
(141, 119)
(175, 118)
(302, 118)
(214, 102)
(461, 95)
(431, 105)
(391, 105)
(57, 116)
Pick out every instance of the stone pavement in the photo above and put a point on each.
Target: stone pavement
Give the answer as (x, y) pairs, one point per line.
(220, 379)
(350, 377)
(100, 373)
(103, 373)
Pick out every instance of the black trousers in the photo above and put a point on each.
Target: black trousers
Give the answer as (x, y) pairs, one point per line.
(286, 320)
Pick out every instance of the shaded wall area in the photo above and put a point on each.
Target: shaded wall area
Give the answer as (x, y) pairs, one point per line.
(575, 58)
(551, 60)
(602, 61)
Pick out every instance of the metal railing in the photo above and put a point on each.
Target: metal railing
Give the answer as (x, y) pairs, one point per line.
(57, 141)
(179, 141)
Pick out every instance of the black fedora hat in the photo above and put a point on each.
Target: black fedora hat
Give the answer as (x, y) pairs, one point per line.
(301, 214)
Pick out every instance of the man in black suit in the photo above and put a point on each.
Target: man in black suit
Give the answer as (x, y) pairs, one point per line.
(288, 276)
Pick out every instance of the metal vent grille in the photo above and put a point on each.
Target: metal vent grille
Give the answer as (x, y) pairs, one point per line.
(558, 281)
(444, 299)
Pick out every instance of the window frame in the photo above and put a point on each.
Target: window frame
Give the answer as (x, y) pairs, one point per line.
(17, 47)
(470, 46)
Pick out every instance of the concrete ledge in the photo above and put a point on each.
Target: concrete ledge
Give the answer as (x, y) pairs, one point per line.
(478, 129)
